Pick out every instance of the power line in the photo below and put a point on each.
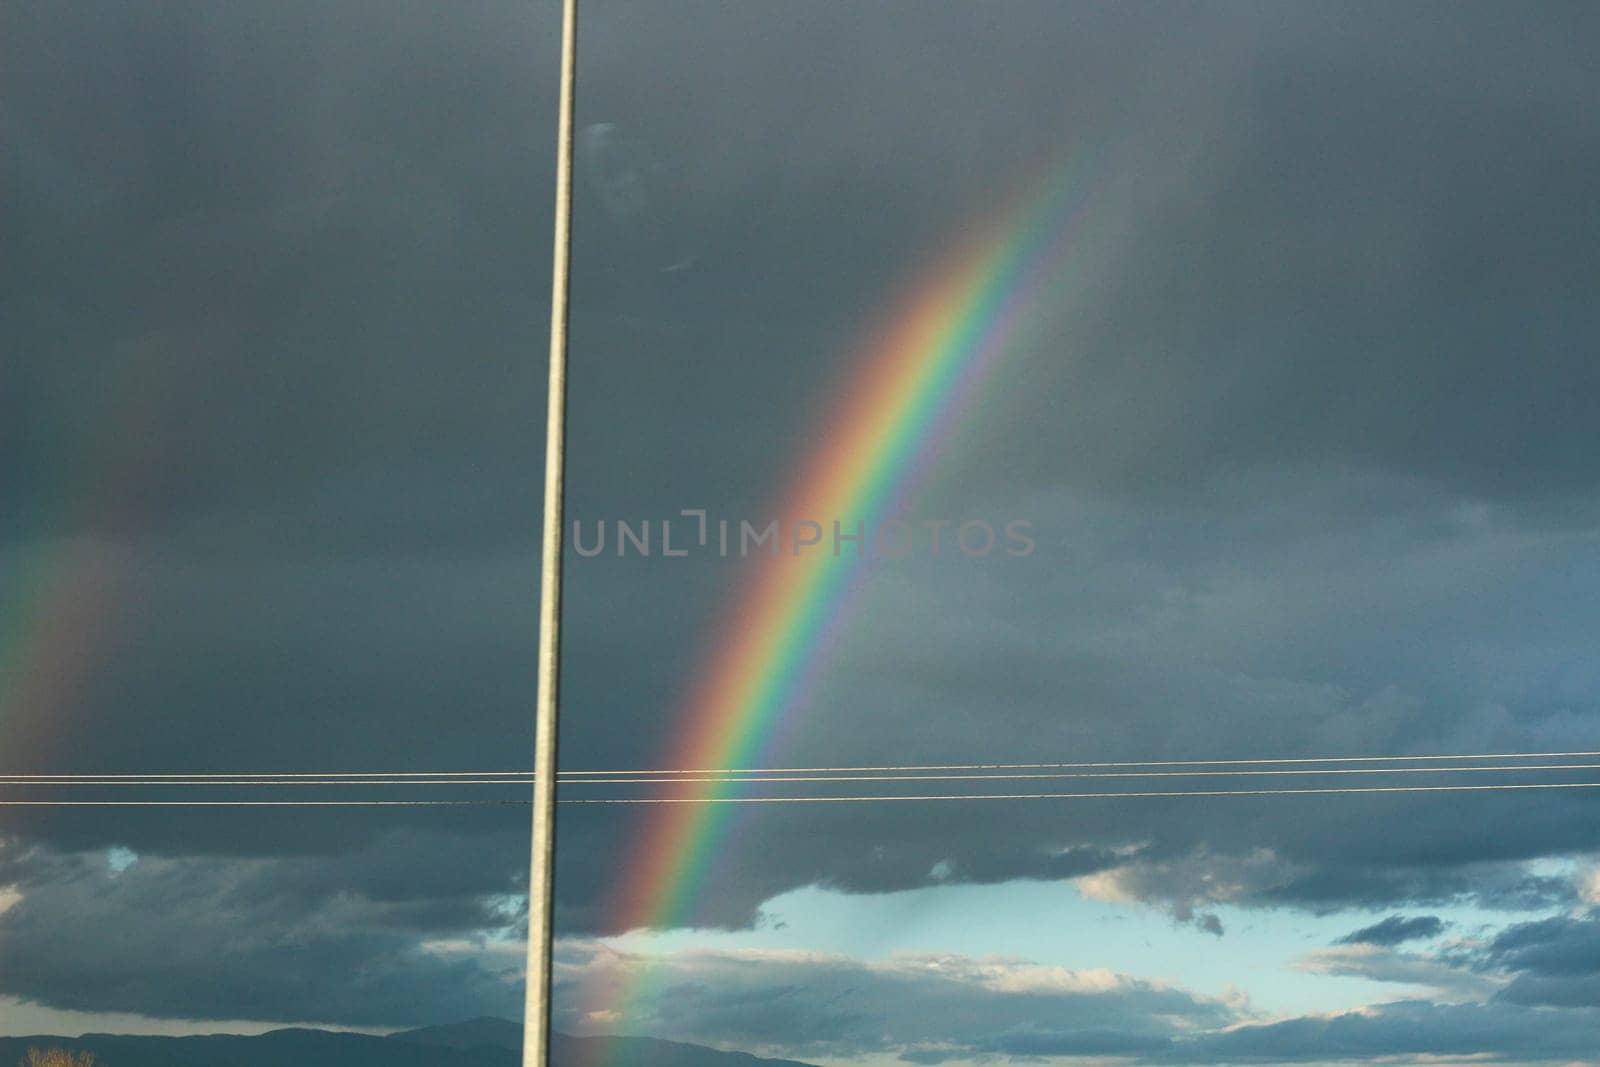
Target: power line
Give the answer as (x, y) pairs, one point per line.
(1086, 796)
(261, 803)
(1111, 763)
(869, 798)
(207, 781)
(1245, 773)
(670, 774)
(522, 775)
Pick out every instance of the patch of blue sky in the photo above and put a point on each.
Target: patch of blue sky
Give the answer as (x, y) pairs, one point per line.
(1261, 953)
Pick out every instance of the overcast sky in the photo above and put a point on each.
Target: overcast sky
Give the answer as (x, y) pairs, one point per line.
(1304, 426)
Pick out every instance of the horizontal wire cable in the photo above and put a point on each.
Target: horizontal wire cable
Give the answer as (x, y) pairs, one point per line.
(674, 774)
(1088, 796)
(1242, 773)
(162, 783)
(261, 803)
(521, 776)
(890, 797)
(1249, 772)
(1103, 763)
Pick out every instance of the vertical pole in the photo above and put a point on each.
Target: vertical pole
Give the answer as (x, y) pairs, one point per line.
(541, 874)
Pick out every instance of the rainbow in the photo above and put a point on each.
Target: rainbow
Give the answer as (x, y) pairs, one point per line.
(919, 373)
(71, 576)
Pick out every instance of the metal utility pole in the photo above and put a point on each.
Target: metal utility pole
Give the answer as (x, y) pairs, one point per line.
(541, 880)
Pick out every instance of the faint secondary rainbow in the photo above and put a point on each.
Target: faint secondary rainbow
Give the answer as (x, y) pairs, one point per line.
(70, 568)
(918, 375)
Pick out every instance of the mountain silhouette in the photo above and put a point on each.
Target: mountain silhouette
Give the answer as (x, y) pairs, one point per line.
(485, 1042)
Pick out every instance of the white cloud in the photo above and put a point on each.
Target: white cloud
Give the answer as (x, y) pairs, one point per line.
(941, 1008)
(1589, 885)
(813, 1004)
(1198, 879)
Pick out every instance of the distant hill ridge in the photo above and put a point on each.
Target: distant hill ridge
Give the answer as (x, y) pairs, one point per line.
(485, 1042)
(485, 1032)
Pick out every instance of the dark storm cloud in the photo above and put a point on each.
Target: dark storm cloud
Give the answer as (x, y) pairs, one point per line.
(1555, 962)
(1550, 946)
(1313, 479)
(1377, 263)
(280, 375)
(1550, 963)
(273, 333)
(362, 938)
(1394, 930)
(1310, 291)
(1251, 643)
